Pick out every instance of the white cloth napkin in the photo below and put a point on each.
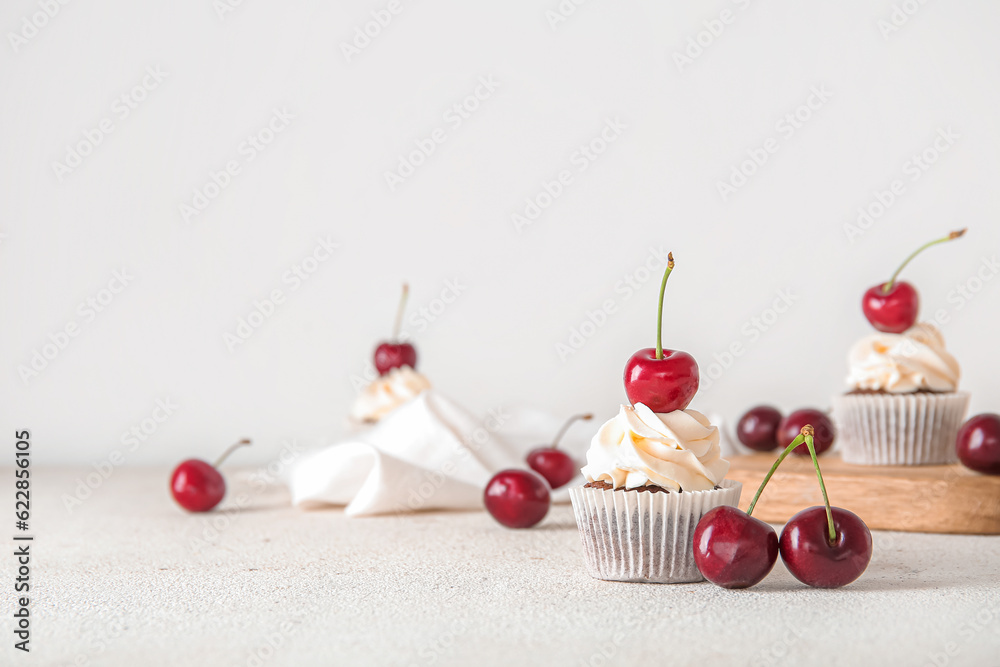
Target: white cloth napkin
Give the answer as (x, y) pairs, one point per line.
(428, 454)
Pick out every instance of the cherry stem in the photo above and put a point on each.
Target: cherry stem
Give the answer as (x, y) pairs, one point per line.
(659, 313)
(954, 235)
(399, 313)
(232, 448)
(799, 439)
(822, 486)
(565, 427)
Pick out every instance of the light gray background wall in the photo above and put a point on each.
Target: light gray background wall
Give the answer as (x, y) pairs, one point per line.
(891, 78)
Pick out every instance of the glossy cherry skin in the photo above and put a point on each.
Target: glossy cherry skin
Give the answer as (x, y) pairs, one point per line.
(517, 498)
(758, 428)
(807, 553)
(197, 486)
(978, 444)
(662, 385)
(553, 464)
(792, 425)
(894, 312)
(394, 355)
(732, 549)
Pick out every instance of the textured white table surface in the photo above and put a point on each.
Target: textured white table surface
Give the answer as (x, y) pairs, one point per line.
(126, 578)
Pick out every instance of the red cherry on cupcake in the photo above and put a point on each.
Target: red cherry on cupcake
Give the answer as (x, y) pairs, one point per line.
(553, 464)
(978, 444)
(758, 428)
(732, 549)
(197, 485)
(394, 353)
(517, 498)
(792, 425)
(663, 380)
(893, 306)
(826, 547)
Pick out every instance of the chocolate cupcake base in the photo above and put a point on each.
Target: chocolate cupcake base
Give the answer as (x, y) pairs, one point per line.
(644, 537)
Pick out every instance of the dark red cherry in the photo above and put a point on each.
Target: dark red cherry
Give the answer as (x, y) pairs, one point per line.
(553, 464)
(894, 311)
(792, 425)
(662, 385)
(732, 549)
(517, 498)
(758, 428)
(813, 559)
(197, 485)
(978, 444)
(395, 353)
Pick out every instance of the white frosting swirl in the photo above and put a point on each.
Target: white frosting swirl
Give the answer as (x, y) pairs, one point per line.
(387, 393)
(902, 363)
(675, 450)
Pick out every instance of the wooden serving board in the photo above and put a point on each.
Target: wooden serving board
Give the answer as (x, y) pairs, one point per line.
(920, 499)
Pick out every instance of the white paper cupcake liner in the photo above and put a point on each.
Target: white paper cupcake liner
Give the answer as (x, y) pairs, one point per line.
(643, 536)
(899, 429)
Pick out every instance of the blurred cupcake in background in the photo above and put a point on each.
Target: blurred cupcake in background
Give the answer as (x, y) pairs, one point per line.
(903, 406)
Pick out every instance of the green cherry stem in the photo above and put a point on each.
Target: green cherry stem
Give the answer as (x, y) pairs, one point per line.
(565, 427)
(659, 313)
(822, 486)
(232, 448)
(954, 235)
(799, 439)
(399, 313)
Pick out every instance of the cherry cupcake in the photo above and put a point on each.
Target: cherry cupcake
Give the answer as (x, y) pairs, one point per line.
(652, 472)
(398, 382)
(650, 478)
(903, 406)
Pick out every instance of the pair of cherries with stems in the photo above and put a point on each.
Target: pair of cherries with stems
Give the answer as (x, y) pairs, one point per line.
(822, 546)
